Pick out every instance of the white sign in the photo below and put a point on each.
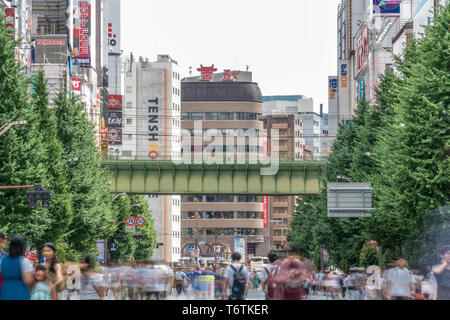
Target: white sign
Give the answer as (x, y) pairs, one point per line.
(130, 229)
(114, 26)
(239, 246)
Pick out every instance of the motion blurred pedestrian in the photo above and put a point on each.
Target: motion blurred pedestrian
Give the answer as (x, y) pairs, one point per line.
(266, 272)
(442, 274)
(2, 244)
(16, 271)
(43, 288)
(53, 266)
(401, 283)
(91, 283)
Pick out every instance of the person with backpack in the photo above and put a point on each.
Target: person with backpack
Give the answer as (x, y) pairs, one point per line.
(266, 273)
(235, 279)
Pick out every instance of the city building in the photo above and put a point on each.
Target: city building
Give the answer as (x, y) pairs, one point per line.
(291, 148)
(220, 117)
(303, 107)
(423, 14)
(151, 131)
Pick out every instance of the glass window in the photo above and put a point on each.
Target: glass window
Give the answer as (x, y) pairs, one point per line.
(129, 121)
(184, 116)
(129, 104)
(196, 116)
(129, 89)
(224, 116)
(211, 116)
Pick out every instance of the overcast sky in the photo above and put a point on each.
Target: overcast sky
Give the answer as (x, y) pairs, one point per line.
(289, 45)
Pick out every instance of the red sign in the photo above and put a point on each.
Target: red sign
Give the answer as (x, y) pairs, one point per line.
(228, 74)
(50, 42)
(131, 221)
(82, 33)
(265, 210)
(362, 51)
(140, 221)
(115, 102)
(207, 73)
(75, 84)
(10, 18)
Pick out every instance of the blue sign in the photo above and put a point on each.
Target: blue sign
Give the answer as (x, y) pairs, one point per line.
(191, 248)
(113, 246)
(387, 8)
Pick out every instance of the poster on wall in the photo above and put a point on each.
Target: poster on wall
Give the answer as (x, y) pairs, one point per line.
(114, 120)
(239, 246)
(100, 251)
(115, 136)
(386, 8)
(82, 30)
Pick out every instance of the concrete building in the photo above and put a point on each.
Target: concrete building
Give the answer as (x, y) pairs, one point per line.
(303, 107)
(151, 131)
(423, 14)
(291, 148)
(227, 111)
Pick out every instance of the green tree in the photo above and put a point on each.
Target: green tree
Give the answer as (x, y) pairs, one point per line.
(60, 210)
(22, 151)
(94, 217)
(368, 256)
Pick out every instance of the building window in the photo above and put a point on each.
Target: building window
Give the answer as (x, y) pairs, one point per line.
(126, 153)
(129, 121)
(129, 89)
(129, 104)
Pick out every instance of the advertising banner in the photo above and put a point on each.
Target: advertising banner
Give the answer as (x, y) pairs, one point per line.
(82, 33)
(10, 14)
(205, 286)
(344, 91)
(75, 85)
(239, 246)
(100, 250)
(265, 210)
(114, 27)
(115, 136)
(362, 51)
(114, 119)
(386, 8)
(115, 102)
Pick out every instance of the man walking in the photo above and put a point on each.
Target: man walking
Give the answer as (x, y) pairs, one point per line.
(442, 274)
(401, 284)
(266, 272)
(235, 279)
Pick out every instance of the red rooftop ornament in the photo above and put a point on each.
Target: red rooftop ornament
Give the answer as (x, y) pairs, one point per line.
(207, 73)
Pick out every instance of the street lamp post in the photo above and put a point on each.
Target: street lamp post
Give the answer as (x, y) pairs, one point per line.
(8, 126)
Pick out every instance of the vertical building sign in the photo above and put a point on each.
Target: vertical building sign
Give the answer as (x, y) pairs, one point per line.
(333, 105)
(82, 33)
(239, 246)
(10, 14)
(265, 210)
(344, 95)
(75, 85)
(100, 251)
(104, 140)
(362, 51)
(114, 27)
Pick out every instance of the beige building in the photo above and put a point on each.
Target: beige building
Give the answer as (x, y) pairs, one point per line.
(227, 111)
(291, 148)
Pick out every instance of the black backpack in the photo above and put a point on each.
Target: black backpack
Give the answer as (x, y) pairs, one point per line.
(239, 284)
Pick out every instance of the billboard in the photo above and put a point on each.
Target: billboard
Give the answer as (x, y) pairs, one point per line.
(114, 27)
(344, 92)
(75, 85)
(10, 14)
(115, 136)
(265, 210)
(82, 31)
(239, 246)
(114, 120)
(115, 102)
(386, 8)
(362, 51)
(100, 251)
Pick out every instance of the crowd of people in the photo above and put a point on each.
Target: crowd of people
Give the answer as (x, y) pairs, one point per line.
(284, 278)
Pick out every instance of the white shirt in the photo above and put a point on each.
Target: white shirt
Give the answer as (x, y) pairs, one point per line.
(229, 274)
(400, 281)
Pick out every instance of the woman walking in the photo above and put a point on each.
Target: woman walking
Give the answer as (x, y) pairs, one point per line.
(91, 284)
(16, 271)
(43, 288)
(53, 266)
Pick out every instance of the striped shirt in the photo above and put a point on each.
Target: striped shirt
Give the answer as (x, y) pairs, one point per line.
(41, 292)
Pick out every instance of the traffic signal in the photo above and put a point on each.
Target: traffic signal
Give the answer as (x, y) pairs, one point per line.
(282, 245)
(39, 194)
(210, 244)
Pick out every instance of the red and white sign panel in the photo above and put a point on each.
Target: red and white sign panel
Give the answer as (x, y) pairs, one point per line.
(10, 14)
(265, 210)
(50, 42)
(115, 136)
(75, 84)
(114, 26)
(115, 102)
(362, 51)
(207, 73)
(131, 221)
(130, 229)
(140, 221)
(82, 33)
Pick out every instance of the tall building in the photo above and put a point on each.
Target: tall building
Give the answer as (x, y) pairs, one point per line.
(303, 107)
(291, 148)
(423, 14)
(227, 108)
(151, 131)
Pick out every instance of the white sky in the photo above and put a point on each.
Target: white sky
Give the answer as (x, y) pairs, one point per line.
(289, 45)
